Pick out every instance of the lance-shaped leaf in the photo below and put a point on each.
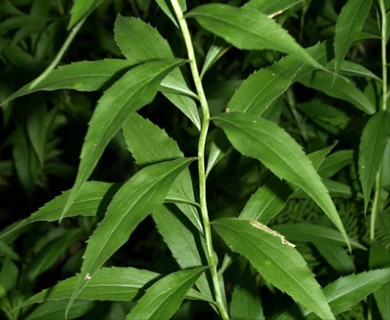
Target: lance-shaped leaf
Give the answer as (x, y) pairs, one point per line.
(89, 201)
(79, 76)
(271, 7)
(129, 36)
(149, 144)
(348, 26)
(163, 298)
(248, 29)
(136, 199)
(82, 8)
(55, 310)
(263, 140)
(372, 147)
(276, 259)
(135, 89)
(246, 303)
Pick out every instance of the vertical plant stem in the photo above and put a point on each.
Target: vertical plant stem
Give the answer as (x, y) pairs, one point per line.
(375, 202)
(201, 157)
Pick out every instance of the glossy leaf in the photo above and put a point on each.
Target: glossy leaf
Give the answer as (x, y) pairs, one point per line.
(135, 89)
(372, 147)
(149, 144)
(129, 33)
(90, 200)
(248, 29)
(276, 260)
(82, 8)
(183, 241)
(163, 298)
(339, 88)
(270, 144)
(79, 76)
(136, 199)
(348, 26)
(307, 232)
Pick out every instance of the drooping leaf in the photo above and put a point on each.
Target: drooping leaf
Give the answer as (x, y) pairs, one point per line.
(339, 88)
(307, 232)
(79, 76)
(348, 26)
(49, 254)
(337, 257)
(130, 35)
(135, 89)
(248, 29)
(90, 199)
(163, 298)
(149, 144)
(136, 199)
(270, 144)
(372, 146)
(271, 7)
(246, 304)
(183, 241)
(82, 8)
(276, 260)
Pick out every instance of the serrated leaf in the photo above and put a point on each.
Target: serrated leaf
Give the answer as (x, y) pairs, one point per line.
(150, 144)
(80, 9)
(348, 26)
(163, 298)
(276, 260)
(271, 7)
(346, 292)
(183, 241)
(246, 304)
(79, 76)
(270, 144)
(135, 89)
(339, 88)
(307, 232)
(89, 201)
(129, 33)
(371, 149)
(136, 199)
(248, 29)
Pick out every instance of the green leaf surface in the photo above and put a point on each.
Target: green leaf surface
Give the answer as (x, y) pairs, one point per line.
(130, 35)
(135, 89)
(150, 144)
(335, 162)
(110, 284)
(91, 197)
(270, 144)
(350, 68)
(6, 251)
(56, 310)
(337, 257)
(246, 304)
(80, 9)
(248, 29)
(348, 26)
(50, 253)
(271, 7)
(339, 88)
(371, 149)
(276, 260)
(79, 76)
(307, 232)
(163, 298)
(183, 241)
(215, 52)
(136, 199)
(165, 7)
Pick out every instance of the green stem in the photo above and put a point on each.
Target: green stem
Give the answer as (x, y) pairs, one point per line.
(59, 55)
(201, 157)
(375, 206)
(384, 57)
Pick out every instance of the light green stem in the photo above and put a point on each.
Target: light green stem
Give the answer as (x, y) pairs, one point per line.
(201, 157)
(375, 202)
(59, 55)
